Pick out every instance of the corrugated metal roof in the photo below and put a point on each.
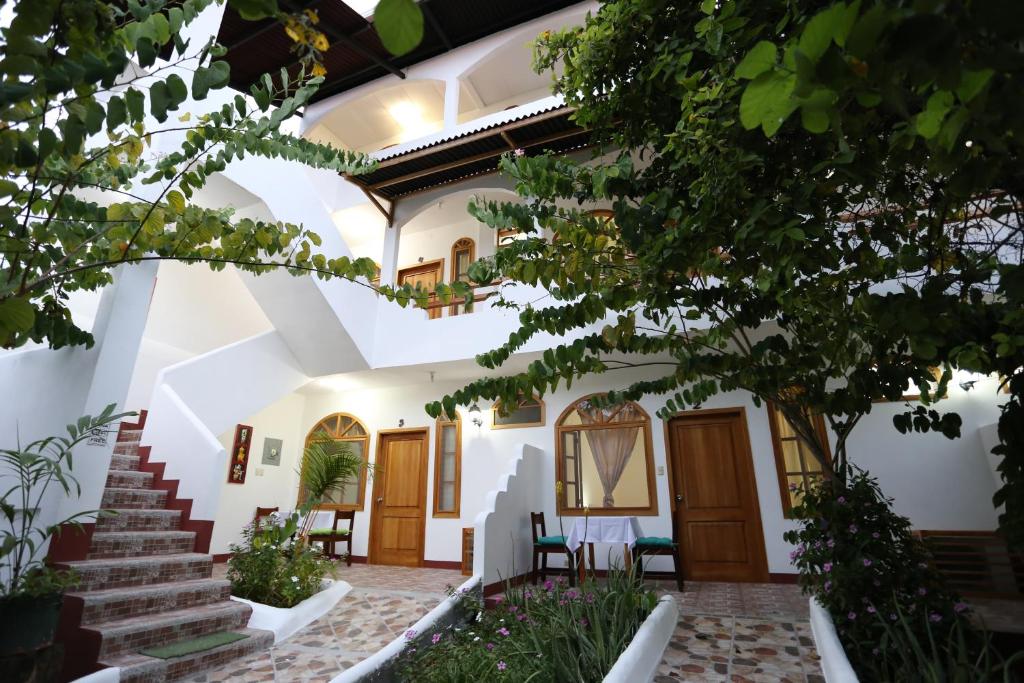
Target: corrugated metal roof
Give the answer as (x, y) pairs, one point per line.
(473, 152)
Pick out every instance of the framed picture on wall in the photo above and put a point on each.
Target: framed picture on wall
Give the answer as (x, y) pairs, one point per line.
(272, 451)
(239, 460)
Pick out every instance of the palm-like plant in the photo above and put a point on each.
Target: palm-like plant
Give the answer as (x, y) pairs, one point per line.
(327, 465)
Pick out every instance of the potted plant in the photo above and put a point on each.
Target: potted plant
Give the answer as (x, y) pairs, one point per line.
(274, 565)
(31, 592)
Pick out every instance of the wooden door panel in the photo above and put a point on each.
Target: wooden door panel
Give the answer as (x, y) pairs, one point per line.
(427, 276)
(709, 481)
(399, 499)
(718, 518)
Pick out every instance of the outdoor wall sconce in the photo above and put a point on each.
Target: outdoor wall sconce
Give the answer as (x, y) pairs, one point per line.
(968, 385)
(474, 415)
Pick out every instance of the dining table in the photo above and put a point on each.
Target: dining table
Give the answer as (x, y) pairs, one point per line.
(591, 529)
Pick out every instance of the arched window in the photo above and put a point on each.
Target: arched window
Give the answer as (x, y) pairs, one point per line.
(448, 467)
(529, 413)
(605, 459)
(463, 253)
(346, 428)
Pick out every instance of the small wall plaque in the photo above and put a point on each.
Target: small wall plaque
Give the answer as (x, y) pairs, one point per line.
(240, 454)
(272, 451)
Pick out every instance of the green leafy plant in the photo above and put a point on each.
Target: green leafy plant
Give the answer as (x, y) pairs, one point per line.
(88, 87)
(547, 634)
(272, 567)
(31, 472)
(893, 613)
(823, 261)
(924, 653)
(327, 465)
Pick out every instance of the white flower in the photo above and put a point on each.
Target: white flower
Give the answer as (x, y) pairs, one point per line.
(476, 639)
(479, 616)
(295, 579)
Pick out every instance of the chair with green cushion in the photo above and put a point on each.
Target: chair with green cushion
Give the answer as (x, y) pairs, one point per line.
(660, 545)
(334, 535)
(543, 545)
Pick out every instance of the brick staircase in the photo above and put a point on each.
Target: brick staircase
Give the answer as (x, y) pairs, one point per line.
(143, 584)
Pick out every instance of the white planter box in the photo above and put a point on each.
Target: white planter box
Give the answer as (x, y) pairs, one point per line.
(284, 622)
(834, 664)
(639, 662)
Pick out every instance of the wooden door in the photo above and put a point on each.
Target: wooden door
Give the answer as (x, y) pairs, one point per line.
(399, 516)
(427, 276)
(715, 496)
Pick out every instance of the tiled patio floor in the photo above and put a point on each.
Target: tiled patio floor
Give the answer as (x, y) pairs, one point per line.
(742, 633)
(383, 603)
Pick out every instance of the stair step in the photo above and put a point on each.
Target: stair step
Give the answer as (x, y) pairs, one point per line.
(140, 571)
(122, 461)
(130, 448)
(137, 519)
(136, 668)
(129, 479)
(121, 499)
(120, 603)
(165, 628)
(134, 543)
(129, 435)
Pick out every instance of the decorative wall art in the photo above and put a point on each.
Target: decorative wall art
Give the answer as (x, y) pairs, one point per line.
(272, 451)
(240, 454)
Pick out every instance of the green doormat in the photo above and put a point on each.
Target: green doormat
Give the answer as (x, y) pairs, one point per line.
(187, 647)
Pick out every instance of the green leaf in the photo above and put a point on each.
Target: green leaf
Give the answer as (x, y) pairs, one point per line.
(930, 120)
(177, 88)
(820, 31)
(17, 315)
(136, 102)
(117, 112)
(767, 101)
(760, 58)
(708, 6)
(210, 78)
(399, 24)
(251, 10)
(176, 201)
(159, 101)
(971, 83)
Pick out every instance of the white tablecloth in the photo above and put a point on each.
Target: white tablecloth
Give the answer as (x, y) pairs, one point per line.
(603, 530)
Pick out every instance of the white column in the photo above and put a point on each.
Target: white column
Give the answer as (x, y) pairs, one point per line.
(451, 103)
(389, 259)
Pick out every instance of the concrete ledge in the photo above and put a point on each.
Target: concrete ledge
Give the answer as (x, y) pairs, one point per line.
(640, 660)
(284, 622)
(834, 664)
(109, 675)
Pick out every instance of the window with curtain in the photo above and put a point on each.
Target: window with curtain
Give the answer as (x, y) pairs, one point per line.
(605, 460)
(796, 465)
(463, 253)
(346, 428)
(447, 468)
(529, 413)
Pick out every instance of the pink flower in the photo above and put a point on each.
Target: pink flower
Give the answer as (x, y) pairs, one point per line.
(935, 617)
(589, 598)
(851, 616)
(512, 608)
(520, 617)
(489, 646)
(841, 500)
(519, 152)
(503, 631)
(410, 634)
(922, 592)
(502, 665)
(867, 562)
(498, 600)
(527, 595)
(584, 622)
(853, 528)
(875, 534)
(828, 585)
(436, 638)
(960, 607)
(871, 610)
(827, 566)
(548, 585)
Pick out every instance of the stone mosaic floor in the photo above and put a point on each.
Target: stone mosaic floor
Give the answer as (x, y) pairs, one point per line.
(383, 603)
(742, 633)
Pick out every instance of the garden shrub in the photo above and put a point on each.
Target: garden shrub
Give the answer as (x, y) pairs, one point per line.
(546, 634)
(271, 568)
(894, 615)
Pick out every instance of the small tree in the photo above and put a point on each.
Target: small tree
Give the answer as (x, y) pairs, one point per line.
(821, 261)
(85, 93)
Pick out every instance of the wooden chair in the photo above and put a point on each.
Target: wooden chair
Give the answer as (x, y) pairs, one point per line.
(263, 512)
(335, 535)
(659, 545)
(544, 545)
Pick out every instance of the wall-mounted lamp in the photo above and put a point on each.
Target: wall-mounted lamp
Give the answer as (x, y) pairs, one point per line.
(968, 384)
(474, 415)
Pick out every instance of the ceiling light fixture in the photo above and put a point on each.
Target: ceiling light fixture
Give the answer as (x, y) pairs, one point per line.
(409, 117)
(474, 415)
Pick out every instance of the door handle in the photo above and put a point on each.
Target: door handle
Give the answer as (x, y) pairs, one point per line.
(379, 501)
(679, 498)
